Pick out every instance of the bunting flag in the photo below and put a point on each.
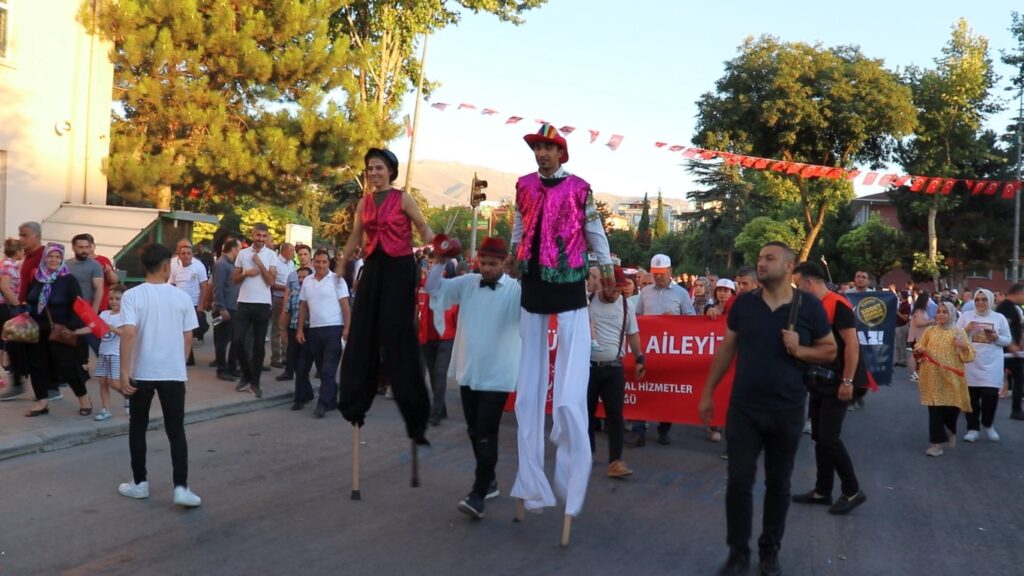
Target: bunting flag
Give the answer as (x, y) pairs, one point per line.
(917, 184)
(541, 121)
(408, 126)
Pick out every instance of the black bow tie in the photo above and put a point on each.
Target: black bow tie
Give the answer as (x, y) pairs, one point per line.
(492, 284)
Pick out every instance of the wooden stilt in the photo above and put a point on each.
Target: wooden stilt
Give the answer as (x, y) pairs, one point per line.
(566, 527)
(355, 463)
(520, 511)
(415, 465)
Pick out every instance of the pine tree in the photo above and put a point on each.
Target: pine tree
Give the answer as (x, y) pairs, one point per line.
(660, 222)
(643, 229)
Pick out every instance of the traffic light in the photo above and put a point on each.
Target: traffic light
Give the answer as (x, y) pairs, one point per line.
(476, 195)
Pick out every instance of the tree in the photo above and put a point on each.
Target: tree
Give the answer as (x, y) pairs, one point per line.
(660, 222)
(643, 228)
(762, 230)
(874, 246)
(953, 101)
(806, 104)
(606, 214)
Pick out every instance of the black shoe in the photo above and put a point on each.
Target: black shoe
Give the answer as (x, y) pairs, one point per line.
(769, 564)
(243, 385)
(811, 497)
(492, 491)
(737, 564)
(284, 377)
(319, 411)
(233, 372)
(1018, 415)
(298, 405)
(663, 439)
(255, 391)
(277, 365)
(636, 440)
(472, 506)
(225, 377)
(265, 368)
(846, 504)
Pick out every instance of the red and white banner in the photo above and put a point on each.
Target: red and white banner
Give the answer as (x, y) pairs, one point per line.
(678, 352)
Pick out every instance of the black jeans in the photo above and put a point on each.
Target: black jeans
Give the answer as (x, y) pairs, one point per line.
(172, 402)
(1016, 368)
(438, 355)
(983, 406)
(226, 353)
(483, 412)
(251, 322)
(609, 384)
(941, 418)
(748, 432)
(324, 349)
(827, 414)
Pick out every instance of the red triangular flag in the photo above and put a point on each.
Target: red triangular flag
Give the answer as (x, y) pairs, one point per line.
(886, 180)
(593, 135)
(565, 130)
(690, 152)
(676, 148)
(439, 105)
(541, 121)
(513, 119)
(869, 178)
(659, 144)
(614, 142)
(900, 181)
(467, 106)
(488, 111)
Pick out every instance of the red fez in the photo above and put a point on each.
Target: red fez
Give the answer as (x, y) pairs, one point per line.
(494, 246)
(445, 246)
(620, 278)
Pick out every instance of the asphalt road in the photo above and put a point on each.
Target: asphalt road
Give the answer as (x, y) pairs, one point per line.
(275, 486)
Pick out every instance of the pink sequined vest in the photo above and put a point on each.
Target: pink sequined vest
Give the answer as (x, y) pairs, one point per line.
(562, 210)
(387, 226)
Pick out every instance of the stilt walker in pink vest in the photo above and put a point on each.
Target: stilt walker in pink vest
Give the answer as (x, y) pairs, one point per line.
(556, 219)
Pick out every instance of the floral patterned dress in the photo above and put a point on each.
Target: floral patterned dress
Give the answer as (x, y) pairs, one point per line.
(941, 365)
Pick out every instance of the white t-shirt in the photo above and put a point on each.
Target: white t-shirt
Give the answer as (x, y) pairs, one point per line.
(321, 297)
(606, 320)
(254, 290)
(110, 344)
(284, 269)
(188, 278)
(161, 315)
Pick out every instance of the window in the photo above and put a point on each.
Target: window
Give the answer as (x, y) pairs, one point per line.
(5, 12)
(979, 273)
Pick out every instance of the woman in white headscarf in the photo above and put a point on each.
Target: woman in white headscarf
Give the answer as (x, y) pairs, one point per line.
(989, 333)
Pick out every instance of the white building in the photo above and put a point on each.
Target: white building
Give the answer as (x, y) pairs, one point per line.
(631, 211)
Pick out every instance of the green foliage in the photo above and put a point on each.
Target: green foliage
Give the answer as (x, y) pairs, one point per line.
(643, 228)
(924, 267)
(203, 231)
(809, 104)
(874, 246)
(762, 230)
(624, 245)
(660, 223)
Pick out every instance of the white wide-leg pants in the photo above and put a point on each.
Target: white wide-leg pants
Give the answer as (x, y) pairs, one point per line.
(569, 411)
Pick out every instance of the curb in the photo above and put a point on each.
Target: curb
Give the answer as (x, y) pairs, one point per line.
(78, 433)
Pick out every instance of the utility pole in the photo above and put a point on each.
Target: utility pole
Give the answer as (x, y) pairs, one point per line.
(416, 118)
(1016, 195)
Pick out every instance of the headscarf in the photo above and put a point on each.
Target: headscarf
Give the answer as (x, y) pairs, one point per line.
(951, 311)
(47, 278)
(988, 296)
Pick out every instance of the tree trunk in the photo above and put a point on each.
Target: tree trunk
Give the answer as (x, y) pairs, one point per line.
(933, 242)
(812, 234)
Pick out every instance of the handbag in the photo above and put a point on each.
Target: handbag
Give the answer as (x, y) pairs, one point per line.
(21, 328)
(817, 378)
(61, 334)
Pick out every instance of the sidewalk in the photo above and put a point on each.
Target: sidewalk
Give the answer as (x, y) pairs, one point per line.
(206, 399)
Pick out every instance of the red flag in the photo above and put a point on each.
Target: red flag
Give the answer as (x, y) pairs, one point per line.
(979, 187)
(85, 313)
(761, 163)
(566, 130)
(488, 111)
(408, 126)
(467, 106)
(851, 175)
(541, 121)
(748, 161)
(779, 166)
(807, 171)
(901, 180)
(991, 188)
(690, 153)
(593, 135)
(869, 178)
(1011, 189)
(835, 173)
(439, 105)
(947, 186)
(659, 144)
(794, 167)
(933, 186)
(614, 142)
(513, 119)
(676, 148)
(707, 154)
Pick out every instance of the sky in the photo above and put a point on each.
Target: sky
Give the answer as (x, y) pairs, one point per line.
(637, 69)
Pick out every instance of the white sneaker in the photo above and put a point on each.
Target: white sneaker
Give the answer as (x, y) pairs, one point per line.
(971, 436)
(185, 497)
(133, 490)
(807, 426)
(103, 415)
(991, 434)
(914, 377)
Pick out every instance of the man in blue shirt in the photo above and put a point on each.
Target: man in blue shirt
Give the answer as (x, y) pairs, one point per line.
(767, 406)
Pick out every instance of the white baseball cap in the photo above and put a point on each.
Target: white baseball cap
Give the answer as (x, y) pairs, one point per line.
(726, 283)
(661, 263)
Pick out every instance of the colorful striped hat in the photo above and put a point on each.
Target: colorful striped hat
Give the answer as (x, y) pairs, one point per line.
(549, 134)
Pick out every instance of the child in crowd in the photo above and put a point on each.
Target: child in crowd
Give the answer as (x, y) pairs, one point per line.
(108, 366)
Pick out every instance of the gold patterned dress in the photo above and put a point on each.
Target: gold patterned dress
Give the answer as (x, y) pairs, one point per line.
(941, 366)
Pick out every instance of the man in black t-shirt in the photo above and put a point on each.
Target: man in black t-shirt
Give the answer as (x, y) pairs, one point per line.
(828, 403)
(766, 407)
(1010, 307)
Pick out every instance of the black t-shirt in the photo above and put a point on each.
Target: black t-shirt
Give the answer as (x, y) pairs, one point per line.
(767, 377)
(843, 319)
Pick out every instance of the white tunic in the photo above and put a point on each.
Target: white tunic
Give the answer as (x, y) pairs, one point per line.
(987, 368)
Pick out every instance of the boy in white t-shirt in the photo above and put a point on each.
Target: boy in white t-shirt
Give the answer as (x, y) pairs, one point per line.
(108, 364)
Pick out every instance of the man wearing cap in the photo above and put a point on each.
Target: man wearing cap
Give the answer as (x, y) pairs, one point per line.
(556, 220)
(663, 298)
(614, 322)
(485, 355)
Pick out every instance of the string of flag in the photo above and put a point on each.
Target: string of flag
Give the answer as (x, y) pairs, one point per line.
(918, 184)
